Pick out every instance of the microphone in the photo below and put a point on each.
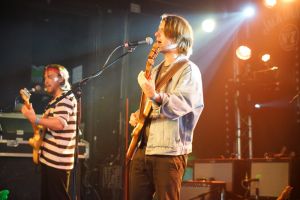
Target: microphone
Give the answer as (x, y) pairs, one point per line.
(148, 41)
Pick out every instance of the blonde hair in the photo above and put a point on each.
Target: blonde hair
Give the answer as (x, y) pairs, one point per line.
(180, 31)
(62, 72)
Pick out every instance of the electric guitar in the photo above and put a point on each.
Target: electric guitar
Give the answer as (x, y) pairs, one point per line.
(145, 105)
(36, 140)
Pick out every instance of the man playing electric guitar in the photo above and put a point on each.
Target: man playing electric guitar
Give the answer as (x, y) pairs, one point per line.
(158, 165)
(58, 144)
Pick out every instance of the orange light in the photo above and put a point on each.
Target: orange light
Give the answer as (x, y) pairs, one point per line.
(287, 1)
(270, 3)
(243, 52)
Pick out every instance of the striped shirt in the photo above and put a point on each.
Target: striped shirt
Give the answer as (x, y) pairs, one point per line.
(57, 149)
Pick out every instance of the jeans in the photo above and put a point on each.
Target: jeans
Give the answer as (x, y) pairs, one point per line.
(156, 175)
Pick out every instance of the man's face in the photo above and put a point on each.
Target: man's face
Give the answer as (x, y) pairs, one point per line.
(52, 81)
(162, 40)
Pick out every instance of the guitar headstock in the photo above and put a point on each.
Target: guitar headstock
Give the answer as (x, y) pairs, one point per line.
(25, 94)
(154, 51)
(151, 57)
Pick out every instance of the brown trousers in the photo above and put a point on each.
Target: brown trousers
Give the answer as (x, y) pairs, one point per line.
(156, 175)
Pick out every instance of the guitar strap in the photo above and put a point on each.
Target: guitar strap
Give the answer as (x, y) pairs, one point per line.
(52, 105)
(161, 81)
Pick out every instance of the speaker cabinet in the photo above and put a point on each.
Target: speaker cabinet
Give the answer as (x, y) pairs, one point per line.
(274, 176)
(22, 178)
(232, 172)
(205, 190)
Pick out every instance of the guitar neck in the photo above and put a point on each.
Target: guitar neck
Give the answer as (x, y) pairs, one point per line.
(27, 104)
(150, 61)
(148, 70)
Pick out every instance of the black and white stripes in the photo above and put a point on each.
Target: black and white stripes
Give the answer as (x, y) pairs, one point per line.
(58, 146)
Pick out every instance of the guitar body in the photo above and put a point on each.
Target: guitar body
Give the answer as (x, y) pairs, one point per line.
(137, 129)
(145, 106)
(36, 140)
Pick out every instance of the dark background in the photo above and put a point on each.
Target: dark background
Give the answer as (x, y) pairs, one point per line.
(77, 32)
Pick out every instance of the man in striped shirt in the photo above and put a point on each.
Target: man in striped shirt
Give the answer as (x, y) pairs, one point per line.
(58, 146)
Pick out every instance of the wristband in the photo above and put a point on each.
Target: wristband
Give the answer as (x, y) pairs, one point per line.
(37, 121)
(155, 96)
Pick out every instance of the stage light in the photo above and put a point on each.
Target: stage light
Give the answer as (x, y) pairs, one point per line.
(266, 57)
(274, 68)
(270, 3)
(243, 52)
(257, 106)
(249, 11)
(208, 25)
(287, 1)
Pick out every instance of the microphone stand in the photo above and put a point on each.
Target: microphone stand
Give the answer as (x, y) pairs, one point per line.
(77, 90)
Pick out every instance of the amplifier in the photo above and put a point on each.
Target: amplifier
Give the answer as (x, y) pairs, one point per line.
(274, 175)
(14, 126)
(232, 172)
(15, 148)
(206, 190)
(15, 131)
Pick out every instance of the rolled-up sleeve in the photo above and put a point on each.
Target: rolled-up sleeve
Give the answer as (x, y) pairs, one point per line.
(62, 111)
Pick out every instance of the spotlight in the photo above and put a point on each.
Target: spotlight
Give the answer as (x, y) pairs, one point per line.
(257, 106)
(249, 11)
(270, 3)
(243, 52)
(274, 68)
(208, 25)
(266, 57)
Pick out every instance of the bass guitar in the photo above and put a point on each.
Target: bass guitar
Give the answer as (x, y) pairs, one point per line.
(36, 140)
